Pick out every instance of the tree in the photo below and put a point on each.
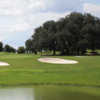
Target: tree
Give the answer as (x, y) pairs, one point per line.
(1, 46)
(21, 50)
(8, 48)
(71, 35)
(50, 36)
(30, 47)
(13, 50)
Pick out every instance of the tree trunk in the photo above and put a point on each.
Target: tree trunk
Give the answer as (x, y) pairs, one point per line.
(54, 52)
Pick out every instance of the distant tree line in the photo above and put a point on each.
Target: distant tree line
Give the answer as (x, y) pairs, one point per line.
(72, 35)
(10, 49)
(7, 48)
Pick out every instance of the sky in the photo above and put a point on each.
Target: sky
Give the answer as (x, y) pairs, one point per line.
(19, 18)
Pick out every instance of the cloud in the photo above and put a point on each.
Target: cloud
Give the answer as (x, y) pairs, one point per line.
(22, 7)
(20, 17)
(57, 6)
(65, 5)
(92, 8)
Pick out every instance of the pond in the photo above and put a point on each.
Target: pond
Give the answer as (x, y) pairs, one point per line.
(50, 93)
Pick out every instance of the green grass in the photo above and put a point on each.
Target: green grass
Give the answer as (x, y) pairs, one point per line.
(26, 70)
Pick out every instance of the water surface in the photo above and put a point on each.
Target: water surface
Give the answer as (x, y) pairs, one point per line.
(50, 93)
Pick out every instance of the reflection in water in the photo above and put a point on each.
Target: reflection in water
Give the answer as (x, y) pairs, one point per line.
(64, 93)
(17, 94)
(49, 93)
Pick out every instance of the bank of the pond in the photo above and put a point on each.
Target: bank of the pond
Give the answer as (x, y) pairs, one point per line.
(5, 85)
(27, 70)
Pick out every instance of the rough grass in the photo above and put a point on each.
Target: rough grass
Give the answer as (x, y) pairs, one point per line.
(26, 70)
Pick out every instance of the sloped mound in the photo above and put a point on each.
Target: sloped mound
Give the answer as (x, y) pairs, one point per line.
(57, 61)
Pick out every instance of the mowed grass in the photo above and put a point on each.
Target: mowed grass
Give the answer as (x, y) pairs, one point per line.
(25, 69)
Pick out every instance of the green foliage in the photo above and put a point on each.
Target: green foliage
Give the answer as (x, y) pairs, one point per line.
(1, 46)
(8, 48)
(21, 50)
(71, 35)
(30, 46)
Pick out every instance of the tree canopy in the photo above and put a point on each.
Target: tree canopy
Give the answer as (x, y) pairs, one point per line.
(71, 35)
(9, 49)
(21, 50)
(1, 46)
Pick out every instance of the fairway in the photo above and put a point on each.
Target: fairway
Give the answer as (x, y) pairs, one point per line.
(27, 70)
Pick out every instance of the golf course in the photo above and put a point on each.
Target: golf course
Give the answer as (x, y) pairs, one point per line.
(25, 69)
(49, 50)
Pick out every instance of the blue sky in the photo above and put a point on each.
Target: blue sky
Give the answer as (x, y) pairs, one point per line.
(19, 18)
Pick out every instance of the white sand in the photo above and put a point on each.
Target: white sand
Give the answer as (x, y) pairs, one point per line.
(57, 61)
(4, 64)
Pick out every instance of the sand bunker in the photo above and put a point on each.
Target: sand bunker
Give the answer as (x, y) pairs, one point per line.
(57, 61)
(4, 64)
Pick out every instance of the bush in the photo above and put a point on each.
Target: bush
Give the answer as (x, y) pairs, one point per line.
(21, 50)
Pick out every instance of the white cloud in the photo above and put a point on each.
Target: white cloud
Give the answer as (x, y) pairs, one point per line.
(22, 16)
(19, 7)
(92, 8)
